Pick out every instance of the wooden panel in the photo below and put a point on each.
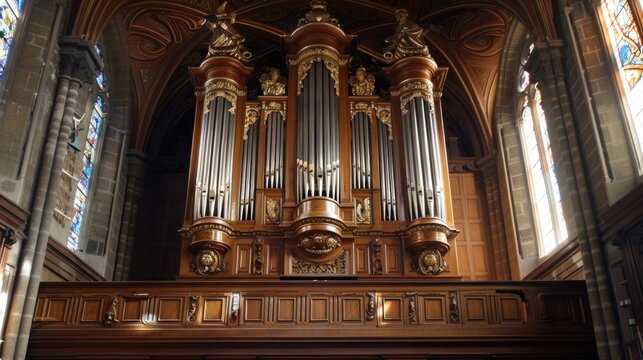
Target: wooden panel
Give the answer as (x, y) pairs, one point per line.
(392, 309)
(170, 309)
(214, 309)
(510, 309)
(475, 308)
(392, 263)
(319, 309)
(274, 254)
(286, 310)
(254, 310)
(352, 309)
(434, 309)
(244, 256)
(361, 261)
(91, 310)
(53, 310)
(133, 309)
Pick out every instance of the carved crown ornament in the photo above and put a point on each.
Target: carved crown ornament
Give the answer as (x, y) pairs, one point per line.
(361, 106)
(269, 107)
(307, 56)
(222, 88)
(317, 13)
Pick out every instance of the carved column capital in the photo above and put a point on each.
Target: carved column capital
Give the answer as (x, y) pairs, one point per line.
(78, 59)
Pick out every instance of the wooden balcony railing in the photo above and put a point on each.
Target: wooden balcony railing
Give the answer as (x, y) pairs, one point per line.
(236, 319)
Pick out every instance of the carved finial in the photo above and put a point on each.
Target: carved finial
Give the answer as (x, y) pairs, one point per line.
(318, 13)
(272, 83)
(226, 41)
(362, 83)
(407, 39)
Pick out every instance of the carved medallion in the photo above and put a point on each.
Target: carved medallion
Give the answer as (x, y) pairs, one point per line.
(208, 262)
(431, 262)
(319, 244)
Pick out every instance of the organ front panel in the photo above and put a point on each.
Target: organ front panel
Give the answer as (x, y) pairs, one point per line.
(327, 173)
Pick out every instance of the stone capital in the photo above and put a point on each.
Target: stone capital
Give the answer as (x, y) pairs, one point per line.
(78, 59)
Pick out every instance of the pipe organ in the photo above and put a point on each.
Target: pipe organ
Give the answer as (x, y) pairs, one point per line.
(325, 174)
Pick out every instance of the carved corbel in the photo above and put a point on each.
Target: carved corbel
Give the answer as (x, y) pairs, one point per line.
(209, 242)
(428, 244)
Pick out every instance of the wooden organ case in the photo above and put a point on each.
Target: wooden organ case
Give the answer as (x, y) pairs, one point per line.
(321, 176)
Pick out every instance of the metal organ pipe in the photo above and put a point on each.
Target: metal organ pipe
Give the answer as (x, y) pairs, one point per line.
(387, 177)
(424, 175)
(248, 175)
(361, 147)
(214, 170)
(275, 152)
(318, 142)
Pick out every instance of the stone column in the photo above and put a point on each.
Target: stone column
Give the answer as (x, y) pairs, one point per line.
(137, 168)
(78, 63)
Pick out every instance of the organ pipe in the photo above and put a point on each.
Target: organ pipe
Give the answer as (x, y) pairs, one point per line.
(361, 151)
(274, 171)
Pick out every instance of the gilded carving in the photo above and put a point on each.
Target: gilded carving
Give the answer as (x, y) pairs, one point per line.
(376, 257)
(273, 106)
(194, 302)
(319, 244)
(383, 112)
(307, 57)
(223, 88)
(421, 88)
(110, 315)
(430, 262)
(450, 233)
(317, 13)
(272, 211)
(226, 40)
(362, 83)
(272, 83)
(208, 261)
(336, 267)
(407, 39)
(412, 312)
(454, 312)
(363, 211)
(252, 114)
(257, 253)
(370, 306)
(198, 228)
(360, 106)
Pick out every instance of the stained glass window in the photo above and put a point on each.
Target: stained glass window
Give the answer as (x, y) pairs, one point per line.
(541, 171)
(625, 39)
(9, 15)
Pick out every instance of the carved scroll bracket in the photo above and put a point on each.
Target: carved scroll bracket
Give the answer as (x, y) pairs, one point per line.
(370, 306)
(454, 311)
(383, 112)
(224, 88)
(257, 254)
(412, 310)
(252, 114)
(308, 56)
(273, 106)
(411, 89)
(192, 309)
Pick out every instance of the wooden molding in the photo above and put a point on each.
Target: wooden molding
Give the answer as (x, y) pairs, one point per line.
(551, 262)
(66, 265)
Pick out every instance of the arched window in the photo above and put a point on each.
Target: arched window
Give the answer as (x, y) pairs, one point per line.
(10, 11)
(547, 207)
(90, 151)
(622, 19)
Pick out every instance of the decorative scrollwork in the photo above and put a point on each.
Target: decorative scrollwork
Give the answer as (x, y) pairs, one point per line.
(307, 57)
(223, 88)
(363, 211)
(361, 106)
(198, 228)
(194, 302)
(412, 310)
(252, 114)
(383, 112)
(421, 88)
(454, 312)
(257, 253)
(272, 210)
(319, 244)
(376, 257)
(208, 261)
(110, 315)
(273, 106)
(430, 262)
(336, 267)
(370, 306)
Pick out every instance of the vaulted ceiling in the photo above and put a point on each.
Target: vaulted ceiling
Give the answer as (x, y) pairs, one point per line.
(164, 37)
